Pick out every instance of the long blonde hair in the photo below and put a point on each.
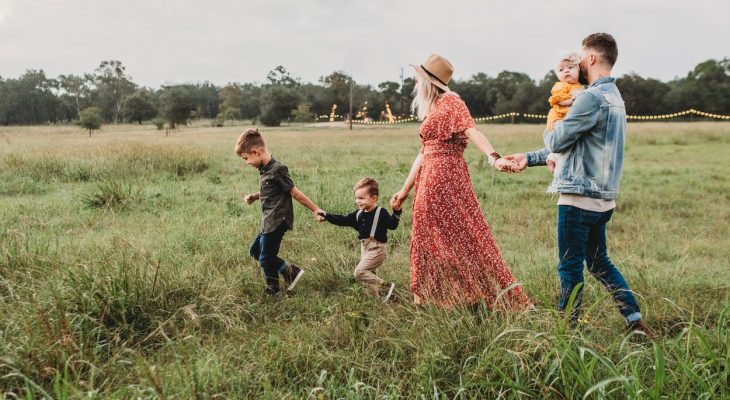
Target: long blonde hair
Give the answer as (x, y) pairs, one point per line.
(425, 94)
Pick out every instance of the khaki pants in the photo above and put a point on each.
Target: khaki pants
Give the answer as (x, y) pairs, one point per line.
(372, 255)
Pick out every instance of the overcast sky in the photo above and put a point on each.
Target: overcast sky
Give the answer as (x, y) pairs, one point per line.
(182, 41)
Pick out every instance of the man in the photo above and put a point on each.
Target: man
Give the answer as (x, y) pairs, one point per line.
(591, 138)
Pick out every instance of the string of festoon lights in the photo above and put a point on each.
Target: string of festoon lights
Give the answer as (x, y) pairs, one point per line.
(680, 114)
(333, 117)
(544, 116)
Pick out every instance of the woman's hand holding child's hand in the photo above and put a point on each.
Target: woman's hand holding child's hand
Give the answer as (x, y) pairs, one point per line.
(397, 200)
(506, 165)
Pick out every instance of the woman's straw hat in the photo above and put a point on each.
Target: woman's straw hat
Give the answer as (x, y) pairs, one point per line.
(437, 70)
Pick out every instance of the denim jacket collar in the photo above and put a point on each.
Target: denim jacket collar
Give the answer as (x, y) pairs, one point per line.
(602, 80)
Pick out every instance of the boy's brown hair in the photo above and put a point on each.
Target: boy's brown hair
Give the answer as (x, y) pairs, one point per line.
(370, 183)
(604, 44)
(249, 140)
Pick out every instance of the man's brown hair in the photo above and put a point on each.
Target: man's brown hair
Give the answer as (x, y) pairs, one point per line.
(604, 44)
(249, 140)
(370, 183)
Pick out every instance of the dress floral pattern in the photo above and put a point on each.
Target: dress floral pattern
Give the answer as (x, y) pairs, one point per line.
(455, 260)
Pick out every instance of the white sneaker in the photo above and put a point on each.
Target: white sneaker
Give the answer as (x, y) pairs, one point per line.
(388, 295)
(292, 276)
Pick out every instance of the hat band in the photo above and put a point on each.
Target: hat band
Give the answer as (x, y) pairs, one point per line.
(433, 76)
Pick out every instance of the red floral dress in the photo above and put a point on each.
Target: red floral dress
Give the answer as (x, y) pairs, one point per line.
(454, 258)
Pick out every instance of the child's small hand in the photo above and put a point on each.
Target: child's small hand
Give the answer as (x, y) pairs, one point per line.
(319, 215)
(250, 198)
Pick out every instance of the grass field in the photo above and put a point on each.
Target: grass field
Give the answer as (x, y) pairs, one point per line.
(124, 273)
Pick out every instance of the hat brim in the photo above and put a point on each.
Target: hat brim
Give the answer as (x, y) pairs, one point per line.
(426, 75)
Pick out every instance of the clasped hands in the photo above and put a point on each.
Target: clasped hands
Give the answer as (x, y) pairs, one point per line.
(512, 163)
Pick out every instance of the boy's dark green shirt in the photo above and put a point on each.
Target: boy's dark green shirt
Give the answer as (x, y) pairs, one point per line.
(275, 196)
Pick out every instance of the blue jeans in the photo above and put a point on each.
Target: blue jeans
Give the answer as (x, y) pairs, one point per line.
(582, 238)
(265, 249)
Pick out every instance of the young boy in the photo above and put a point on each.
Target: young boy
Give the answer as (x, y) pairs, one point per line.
(372, 223)
(276, 192)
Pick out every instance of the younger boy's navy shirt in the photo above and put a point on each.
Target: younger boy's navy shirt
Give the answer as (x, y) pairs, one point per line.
(275, 196)
(364, 223)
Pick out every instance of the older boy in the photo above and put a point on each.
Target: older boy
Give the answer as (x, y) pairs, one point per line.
(276, 192)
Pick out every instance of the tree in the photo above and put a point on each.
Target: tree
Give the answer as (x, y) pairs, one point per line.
(30, 99)
(112, 87)
(177, 102)
(277, 103)
(706, 87)
(513, 91)
(407, 92)
(540, 104)
(390, 92)
(337, 89)
(207, 100)
(475, 93)
(303, 113)
(250, 101)
(279, 76)
(76, 90)
(138, 107)
(90, 119)
(231, 101)
(316, 97)
(279, 97)
(642, 96)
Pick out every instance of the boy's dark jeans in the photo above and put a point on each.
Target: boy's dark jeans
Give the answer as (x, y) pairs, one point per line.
(582, 237)
(265, 249)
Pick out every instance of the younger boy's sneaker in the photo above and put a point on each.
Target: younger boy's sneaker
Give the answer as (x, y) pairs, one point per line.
(292, 275)
(390, 291)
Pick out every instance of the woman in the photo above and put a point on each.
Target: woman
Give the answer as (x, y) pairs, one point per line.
(454, 258)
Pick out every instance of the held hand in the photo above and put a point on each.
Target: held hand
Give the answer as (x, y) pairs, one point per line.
(505, 165)
(396, 202)
(250, 198)
(518, 158)
(551, 165)
(319, 215)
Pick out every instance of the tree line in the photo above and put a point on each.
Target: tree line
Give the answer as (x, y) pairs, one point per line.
(109, 95)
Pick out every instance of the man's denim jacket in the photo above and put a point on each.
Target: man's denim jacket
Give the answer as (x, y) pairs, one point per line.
(591, 137)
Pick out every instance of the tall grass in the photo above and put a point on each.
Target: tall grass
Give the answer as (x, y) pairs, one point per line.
(124, 273)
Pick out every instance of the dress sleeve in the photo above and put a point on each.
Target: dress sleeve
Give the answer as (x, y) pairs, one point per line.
(459, 117)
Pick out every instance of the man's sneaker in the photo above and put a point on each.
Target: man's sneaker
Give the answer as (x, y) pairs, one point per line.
(389, 293)
(292, 275)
